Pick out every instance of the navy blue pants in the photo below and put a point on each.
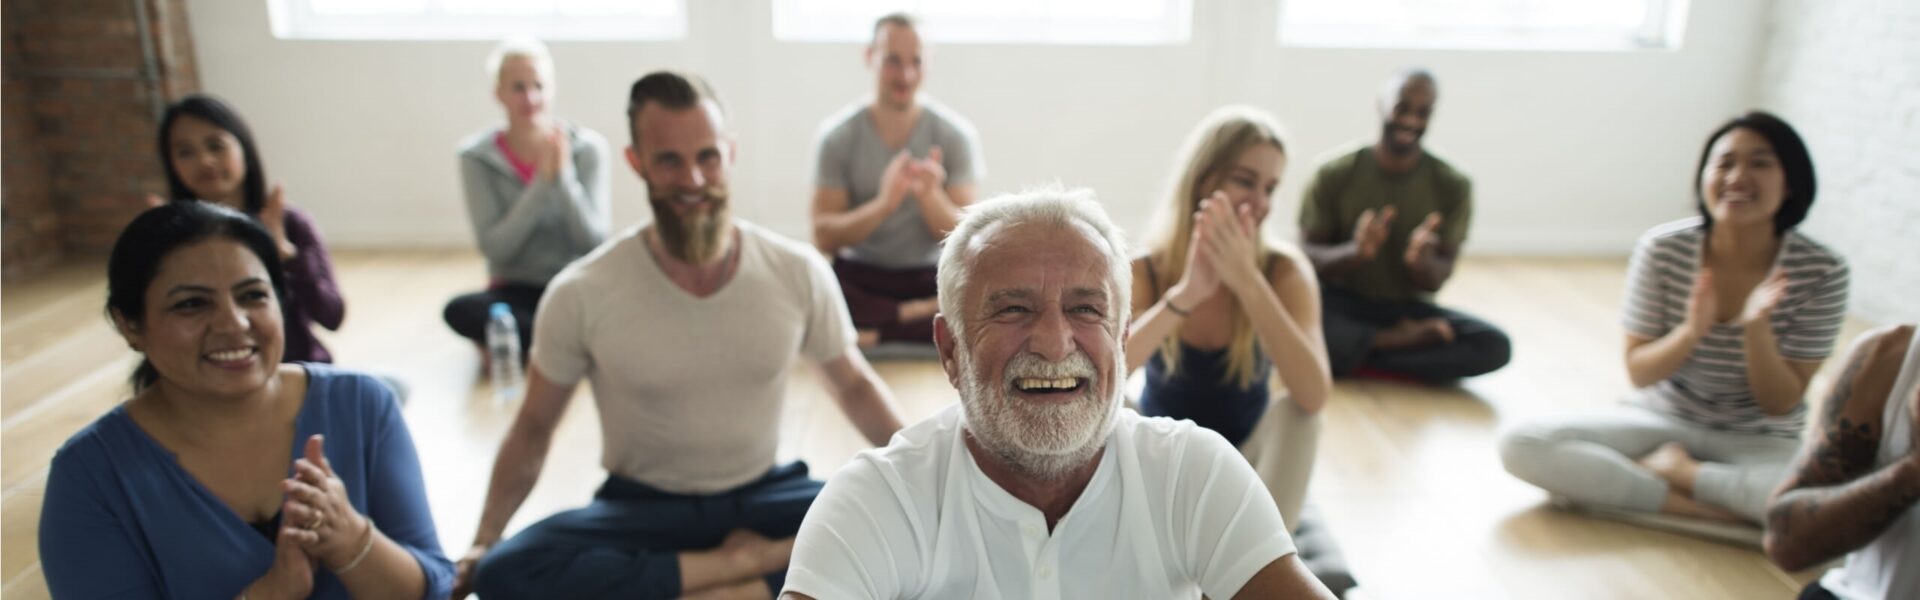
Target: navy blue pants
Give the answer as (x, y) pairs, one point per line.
(626, 543)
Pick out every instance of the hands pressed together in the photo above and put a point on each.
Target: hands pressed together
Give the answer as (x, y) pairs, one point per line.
(554, 155)
(273, 215)
(319, 528)
(1222, 251)
(908, 175)
(1703, 303)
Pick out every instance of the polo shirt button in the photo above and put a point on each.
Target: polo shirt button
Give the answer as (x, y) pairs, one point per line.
(1046, 572)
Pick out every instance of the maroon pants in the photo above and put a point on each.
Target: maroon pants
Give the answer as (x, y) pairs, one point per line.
(874, 295)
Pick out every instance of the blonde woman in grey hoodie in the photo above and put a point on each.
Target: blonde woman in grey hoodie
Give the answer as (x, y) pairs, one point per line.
(536, 190)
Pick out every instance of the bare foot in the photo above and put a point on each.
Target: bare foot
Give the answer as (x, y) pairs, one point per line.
(1409, 333)
(1436, 330)
(867, 338)
(1676, 504)
(914, 310)
(1671, 462)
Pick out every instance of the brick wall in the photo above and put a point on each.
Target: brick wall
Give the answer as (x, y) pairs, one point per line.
(30, 234)
(81, 110)
(1847, 75)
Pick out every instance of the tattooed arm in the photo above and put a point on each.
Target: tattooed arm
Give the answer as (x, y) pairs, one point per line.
(1834, 500)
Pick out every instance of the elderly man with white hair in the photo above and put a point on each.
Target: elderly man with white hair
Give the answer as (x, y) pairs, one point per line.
(1041, 484)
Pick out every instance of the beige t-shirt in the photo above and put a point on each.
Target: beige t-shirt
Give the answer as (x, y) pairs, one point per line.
(689, 389)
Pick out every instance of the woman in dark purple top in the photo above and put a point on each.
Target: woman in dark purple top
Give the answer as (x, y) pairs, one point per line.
(210, 155)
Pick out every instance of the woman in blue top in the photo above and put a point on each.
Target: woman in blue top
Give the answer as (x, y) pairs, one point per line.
(1219, 308)
(229, 474)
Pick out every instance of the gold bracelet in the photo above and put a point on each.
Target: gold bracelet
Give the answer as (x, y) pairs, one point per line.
(364, 551)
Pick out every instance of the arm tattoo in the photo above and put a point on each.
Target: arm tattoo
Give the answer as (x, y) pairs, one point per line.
(1837, 500)
(1843, 449)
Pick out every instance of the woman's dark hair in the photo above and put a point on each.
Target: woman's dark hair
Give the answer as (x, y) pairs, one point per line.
(159, 232)
(212, 110)
(1794, 160)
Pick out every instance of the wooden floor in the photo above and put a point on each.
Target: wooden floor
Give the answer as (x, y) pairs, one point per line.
(1407, 478)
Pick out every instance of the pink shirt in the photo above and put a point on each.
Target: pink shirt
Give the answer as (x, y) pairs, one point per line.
(521, 167)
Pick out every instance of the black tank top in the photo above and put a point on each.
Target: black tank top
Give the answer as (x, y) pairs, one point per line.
(1201, 391)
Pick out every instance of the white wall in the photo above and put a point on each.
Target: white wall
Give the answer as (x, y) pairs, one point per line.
(1847, 75)
(1571, 152)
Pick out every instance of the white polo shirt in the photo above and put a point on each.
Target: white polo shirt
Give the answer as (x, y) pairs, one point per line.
(1172, 511)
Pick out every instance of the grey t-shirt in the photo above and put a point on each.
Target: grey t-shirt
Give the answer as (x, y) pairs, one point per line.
(690, 389)
(852, 157)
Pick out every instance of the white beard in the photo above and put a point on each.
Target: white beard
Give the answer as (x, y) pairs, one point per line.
(1045, 441)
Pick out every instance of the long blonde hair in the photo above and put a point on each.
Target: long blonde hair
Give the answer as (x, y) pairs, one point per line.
(1209, 152)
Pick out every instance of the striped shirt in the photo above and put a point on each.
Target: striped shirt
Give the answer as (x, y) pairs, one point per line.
(1710, 389)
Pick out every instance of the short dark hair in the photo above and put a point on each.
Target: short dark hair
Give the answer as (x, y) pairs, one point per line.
(896, 19)
(673, 90)
(160, 231)
(212, 110)
(1795, 161)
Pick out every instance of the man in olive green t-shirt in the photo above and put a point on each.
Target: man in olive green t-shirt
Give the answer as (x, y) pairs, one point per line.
(1383, 225)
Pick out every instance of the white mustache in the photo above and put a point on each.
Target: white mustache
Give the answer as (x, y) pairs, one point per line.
(1077, 365)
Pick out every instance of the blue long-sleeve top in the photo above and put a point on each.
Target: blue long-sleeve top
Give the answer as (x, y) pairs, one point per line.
(123, 519)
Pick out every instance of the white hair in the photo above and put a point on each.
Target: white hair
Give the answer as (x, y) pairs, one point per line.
(523, 47)
(1051, 204)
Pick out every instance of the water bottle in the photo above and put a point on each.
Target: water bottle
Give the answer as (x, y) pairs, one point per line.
(503, 351)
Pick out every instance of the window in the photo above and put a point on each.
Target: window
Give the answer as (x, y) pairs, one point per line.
(478, 19)
(1108, 22)
(1484, 24)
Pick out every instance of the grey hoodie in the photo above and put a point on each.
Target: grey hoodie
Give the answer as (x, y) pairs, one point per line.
(530, 231)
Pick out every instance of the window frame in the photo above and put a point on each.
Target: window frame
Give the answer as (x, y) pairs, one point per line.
(791, 24)
(1663, 29)
(297, 20)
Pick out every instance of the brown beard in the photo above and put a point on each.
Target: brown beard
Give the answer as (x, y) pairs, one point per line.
(695, 240)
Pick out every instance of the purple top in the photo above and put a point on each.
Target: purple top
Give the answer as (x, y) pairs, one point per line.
(312, 296)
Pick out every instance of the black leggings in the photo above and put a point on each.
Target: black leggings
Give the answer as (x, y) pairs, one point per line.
(1350, 321)
(467, 314)
(1813, 591)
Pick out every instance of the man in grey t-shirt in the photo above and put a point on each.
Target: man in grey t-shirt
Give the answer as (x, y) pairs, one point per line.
(891, 176)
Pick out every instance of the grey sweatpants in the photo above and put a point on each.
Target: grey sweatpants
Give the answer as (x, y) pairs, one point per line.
(1281, 449)
(1590, 459)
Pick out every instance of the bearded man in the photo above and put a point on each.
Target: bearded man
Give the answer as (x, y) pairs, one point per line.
(1040, 484)
(687, 330)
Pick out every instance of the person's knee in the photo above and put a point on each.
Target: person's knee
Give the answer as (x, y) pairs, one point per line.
(1523, 451)
(1342, 359)
(507, 572)
(465, 314)
(1492, 350)
(454, 313)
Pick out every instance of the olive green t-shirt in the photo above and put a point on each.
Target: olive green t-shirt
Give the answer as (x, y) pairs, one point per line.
(1352, 182)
